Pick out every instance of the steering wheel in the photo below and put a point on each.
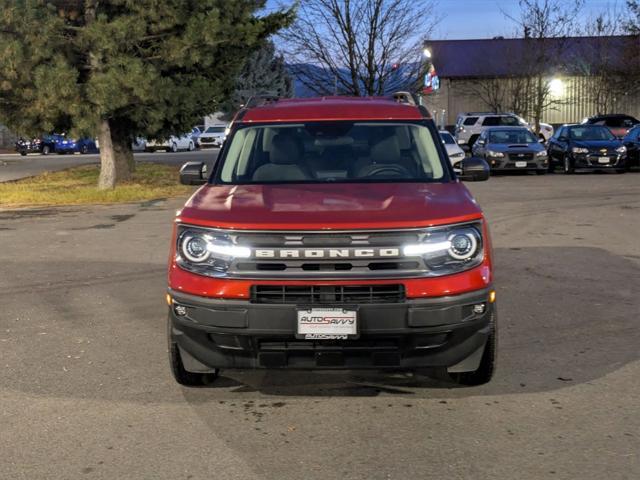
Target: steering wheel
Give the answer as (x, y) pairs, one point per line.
(390, 169)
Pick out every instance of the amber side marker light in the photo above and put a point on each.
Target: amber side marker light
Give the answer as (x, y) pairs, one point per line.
(492, 296)
(169, 301)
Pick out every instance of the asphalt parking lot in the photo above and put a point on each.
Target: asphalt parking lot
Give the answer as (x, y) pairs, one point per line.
(86, 391)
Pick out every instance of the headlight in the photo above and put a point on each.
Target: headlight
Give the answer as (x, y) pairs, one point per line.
(447, 250)
(541, 153)
(207, 252)
(621, 149)
(580, 150)
(491, 153)
(457, 155)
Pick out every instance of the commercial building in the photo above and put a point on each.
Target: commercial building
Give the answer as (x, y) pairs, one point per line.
(581, 76)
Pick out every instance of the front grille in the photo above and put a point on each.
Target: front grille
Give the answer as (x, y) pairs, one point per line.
(521, 157)
(327, 295)
(344, 265)
(315, 239)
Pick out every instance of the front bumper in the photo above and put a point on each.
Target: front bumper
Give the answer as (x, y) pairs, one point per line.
(28, 148)
(442, 332)
(514, 164)
(592, 161)
(210, 142)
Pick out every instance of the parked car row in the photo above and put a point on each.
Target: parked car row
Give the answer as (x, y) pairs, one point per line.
(507, 142)
(55, 143)
(573, 147)
(199, 137)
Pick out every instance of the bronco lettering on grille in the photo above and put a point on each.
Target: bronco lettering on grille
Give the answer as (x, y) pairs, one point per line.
(327, 253)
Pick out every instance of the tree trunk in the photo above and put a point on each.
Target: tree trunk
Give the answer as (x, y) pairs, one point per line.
(123, 150)
(116, 155)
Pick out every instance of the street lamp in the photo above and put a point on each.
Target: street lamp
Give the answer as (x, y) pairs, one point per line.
(556, 87)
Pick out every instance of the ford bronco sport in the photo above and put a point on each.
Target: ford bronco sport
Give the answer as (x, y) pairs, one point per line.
(332, 233)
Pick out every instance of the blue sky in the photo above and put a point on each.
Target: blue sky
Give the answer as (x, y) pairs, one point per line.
(484, 18)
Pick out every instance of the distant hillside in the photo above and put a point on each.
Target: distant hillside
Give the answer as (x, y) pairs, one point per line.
(304, 73)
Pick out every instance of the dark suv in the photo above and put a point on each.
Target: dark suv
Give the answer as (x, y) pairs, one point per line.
(618, 124)
(332, 233)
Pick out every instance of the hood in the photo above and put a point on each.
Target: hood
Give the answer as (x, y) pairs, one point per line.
(452, 149)
(330, 206)
(515, 147)
(595, 144)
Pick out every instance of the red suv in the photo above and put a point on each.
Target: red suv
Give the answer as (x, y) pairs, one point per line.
(332, 233)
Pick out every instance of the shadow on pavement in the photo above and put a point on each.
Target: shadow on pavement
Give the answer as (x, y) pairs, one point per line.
(96, 329)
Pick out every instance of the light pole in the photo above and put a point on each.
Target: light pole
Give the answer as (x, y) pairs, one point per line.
(431, 79)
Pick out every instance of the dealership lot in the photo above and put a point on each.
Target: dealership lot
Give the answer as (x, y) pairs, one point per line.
(86, 390)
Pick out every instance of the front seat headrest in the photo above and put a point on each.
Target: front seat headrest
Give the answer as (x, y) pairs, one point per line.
(284, 150)
(386, 150)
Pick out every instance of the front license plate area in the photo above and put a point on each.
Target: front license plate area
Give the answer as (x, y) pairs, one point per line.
(327, 323)
(521, 164)
(603, 160)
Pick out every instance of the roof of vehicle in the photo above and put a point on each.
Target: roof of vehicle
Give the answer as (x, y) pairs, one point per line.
(333, 108)
(611, 115)
(508, 127)
(493, 114)
(582, 125)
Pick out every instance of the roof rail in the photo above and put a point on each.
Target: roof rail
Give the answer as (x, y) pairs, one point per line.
(403, 97)
(260, 100)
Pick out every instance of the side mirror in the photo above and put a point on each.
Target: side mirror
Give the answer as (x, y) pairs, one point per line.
(474, 169)
(562, 139)
(193, 173)
(541, 140)
(480, 142)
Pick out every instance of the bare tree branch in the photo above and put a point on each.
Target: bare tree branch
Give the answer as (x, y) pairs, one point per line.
(356, 43)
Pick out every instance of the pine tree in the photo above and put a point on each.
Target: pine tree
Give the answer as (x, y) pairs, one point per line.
(632, 23)
(263, 73)
(119, 69)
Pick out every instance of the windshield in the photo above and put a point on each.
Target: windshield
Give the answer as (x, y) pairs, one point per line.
(331, 152)
(590, 133)
(447, 138)
(511, 136)
(215, 130)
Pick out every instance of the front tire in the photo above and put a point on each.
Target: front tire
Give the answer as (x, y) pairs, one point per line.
(487, 367)
(191, 147)
(84, 149)
(182, 376)
(46, 150)
(174, 148)
(567, 166)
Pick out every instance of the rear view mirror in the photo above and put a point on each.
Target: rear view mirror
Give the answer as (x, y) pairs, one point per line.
(193, 173)
(474, 169)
